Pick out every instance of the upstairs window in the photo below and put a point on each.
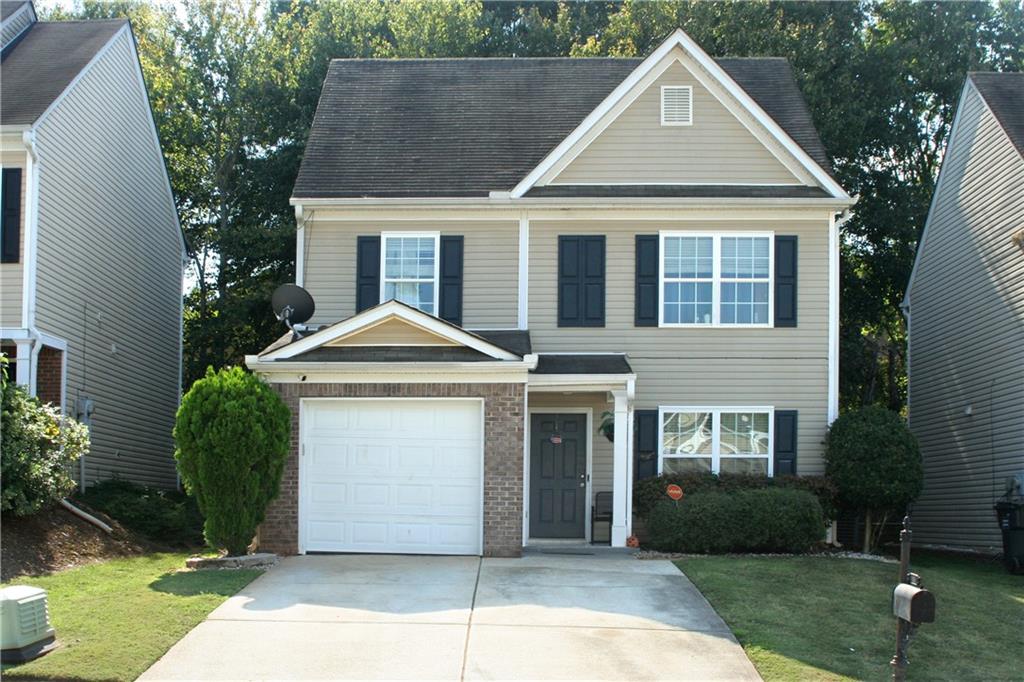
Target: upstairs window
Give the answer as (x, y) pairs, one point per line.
(676, 105)
(409, 265)
(716, 280)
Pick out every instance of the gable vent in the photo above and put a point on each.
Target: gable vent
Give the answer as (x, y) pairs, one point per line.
(676, 105)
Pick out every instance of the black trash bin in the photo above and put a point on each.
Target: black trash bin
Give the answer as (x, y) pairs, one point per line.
(1010, 512)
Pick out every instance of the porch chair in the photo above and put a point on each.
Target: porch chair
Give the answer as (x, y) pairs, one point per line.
(601, 512)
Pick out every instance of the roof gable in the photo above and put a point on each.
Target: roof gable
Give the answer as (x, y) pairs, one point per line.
(677, 46)
(390, 325)
(423, 128)
(636, 148)
(44, 63)
(1004, 95)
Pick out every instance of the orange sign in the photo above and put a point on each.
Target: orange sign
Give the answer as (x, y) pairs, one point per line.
(674, 491)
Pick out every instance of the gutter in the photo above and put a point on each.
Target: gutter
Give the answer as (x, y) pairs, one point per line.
(566, 202)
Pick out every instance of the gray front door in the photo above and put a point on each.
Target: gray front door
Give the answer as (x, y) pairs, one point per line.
(558, 475)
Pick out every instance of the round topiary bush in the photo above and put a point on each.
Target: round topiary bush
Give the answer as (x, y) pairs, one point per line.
(754, 520)
(875, 462)
(232, 435)
(37, 446)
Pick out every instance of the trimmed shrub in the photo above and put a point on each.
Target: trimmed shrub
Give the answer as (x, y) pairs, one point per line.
(875, 462)
(165, 516)
(649, 492)
(758, 520)
(232, 435)
(37, 447)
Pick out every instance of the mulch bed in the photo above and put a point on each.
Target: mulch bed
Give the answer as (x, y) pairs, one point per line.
(56, 539)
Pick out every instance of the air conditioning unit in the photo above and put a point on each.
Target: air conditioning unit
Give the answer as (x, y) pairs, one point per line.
(25, 630)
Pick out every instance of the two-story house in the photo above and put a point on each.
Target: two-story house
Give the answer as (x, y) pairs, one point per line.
(91, 278)
(965, 317)
(506, 252)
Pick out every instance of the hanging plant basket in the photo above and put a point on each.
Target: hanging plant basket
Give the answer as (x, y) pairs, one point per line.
(607, 426)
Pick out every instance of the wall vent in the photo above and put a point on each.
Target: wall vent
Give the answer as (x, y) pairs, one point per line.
(676, 105)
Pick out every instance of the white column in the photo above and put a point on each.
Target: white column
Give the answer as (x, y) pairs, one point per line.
(621, 521)
(23, 363)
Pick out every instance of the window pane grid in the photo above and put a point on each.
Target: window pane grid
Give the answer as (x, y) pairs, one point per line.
(716, 280)
(716, 441)
(410, 263)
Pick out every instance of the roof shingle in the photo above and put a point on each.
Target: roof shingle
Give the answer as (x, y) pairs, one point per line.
(1004, 93)
(466, 127)
(45, 61)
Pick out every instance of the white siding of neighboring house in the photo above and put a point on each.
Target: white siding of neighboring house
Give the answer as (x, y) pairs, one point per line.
(11, 274)
(15, 24)
(967, 335)
(109, 267)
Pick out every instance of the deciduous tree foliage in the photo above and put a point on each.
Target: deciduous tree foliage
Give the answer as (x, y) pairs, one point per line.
(231, 435)
(234, 86)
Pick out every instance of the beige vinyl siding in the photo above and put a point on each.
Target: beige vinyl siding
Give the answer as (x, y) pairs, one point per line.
(490, 267)
(602, 459)
(637, 149)
(785, 368)
(967, 335)
(12, 274)
(393, 332)
(109, 267)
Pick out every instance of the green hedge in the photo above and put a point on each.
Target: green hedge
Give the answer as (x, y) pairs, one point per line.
(165, 516)
(650, 491)
(715, 522)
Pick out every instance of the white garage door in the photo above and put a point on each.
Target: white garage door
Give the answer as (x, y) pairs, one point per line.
(394, 475)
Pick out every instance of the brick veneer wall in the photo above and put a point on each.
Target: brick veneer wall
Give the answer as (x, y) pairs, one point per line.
(503, 458)
(49, 374)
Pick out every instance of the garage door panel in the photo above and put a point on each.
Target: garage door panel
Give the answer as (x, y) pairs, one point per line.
(401, 476)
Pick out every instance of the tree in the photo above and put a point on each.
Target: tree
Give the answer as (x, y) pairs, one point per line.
(37, 446)
(232, 435)
(874, 460)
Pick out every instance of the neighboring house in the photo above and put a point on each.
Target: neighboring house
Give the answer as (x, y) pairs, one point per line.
(965, 315)
(652, 238)
(91, 279)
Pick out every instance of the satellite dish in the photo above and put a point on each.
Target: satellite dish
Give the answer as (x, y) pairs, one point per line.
(292, 305)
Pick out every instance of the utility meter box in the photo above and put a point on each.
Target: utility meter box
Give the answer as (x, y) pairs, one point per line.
(913, 604)
(25, 631)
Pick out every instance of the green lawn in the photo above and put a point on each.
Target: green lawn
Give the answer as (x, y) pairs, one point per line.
(814, 618)
(116, 618)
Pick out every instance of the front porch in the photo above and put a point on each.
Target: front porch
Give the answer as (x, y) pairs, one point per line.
(573, 473)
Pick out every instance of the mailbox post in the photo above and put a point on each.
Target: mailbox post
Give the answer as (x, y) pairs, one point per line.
(911, 604)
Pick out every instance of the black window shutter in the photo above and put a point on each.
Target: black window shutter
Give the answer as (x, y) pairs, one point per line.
(645, 449)
(785, 281)
(450, 288)
(581, 281)
(367, 272)
(646, 294)
(10, 216)
(785, 442)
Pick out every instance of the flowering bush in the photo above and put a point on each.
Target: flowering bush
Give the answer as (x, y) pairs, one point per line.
(37, 446)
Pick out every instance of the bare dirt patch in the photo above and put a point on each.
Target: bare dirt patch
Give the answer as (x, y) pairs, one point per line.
(56, 539)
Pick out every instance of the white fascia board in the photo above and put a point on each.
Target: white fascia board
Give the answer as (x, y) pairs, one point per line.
(680, 39)
(580, 382)
(390, 372)
(569, 202)
(382, 312)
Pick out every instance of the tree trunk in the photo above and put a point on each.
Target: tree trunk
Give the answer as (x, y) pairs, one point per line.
(867, 531)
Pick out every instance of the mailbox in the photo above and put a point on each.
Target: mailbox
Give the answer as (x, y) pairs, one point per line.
(913, 604)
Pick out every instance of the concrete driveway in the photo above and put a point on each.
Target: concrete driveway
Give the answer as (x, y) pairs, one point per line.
(544, 616)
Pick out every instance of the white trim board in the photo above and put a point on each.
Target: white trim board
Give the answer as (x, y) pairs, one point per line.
(658, 60)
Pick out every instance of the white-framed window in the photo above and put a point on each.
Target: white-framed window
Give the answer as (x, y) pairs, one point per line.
(409, 268)
(712, 279)
(716, 440)
(676, 105)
